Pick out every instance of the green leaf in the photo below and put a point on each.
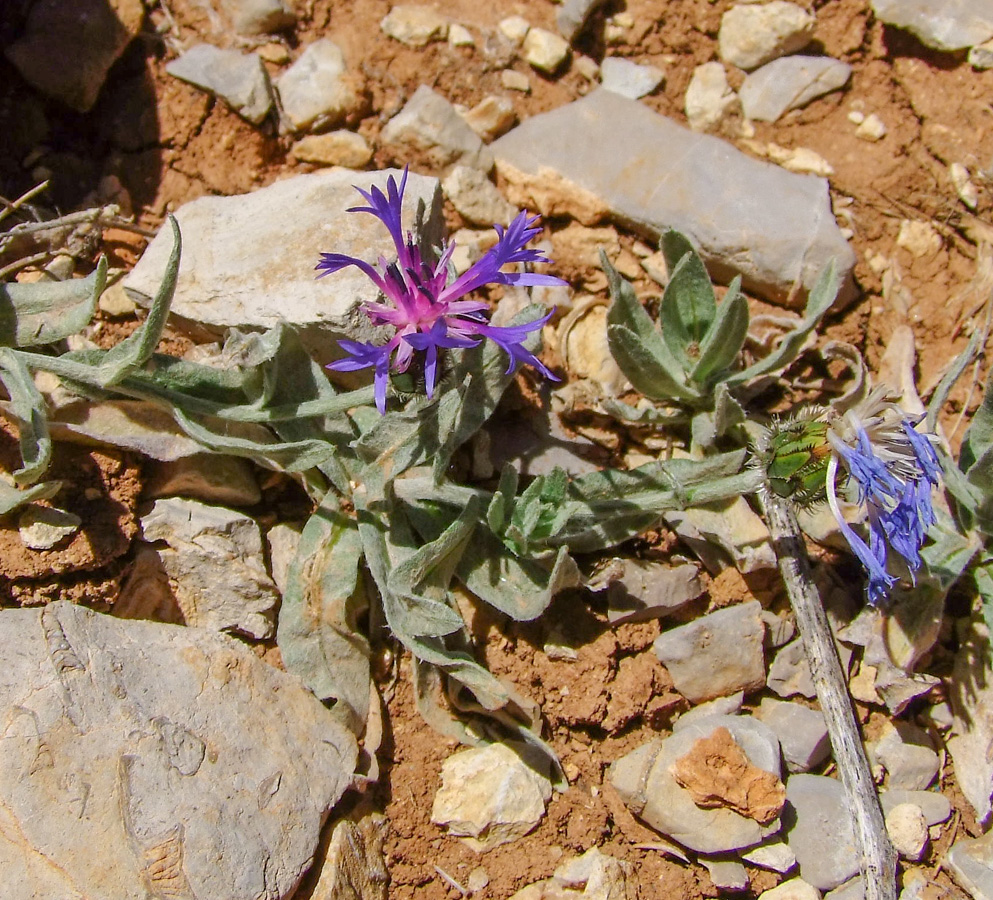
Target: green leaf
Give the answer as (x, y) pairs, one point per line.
(948, 380)
(688, 304)
(979, 436)
(983, 576)
(49, 311)
(12, 499)
(725, 337)
(318, 634)
(820, 300)
(28, 407)
(501, 505)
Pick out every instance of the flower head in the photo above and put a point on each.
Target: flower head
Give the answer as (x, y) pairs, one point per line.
(427, 309)
(892, 468)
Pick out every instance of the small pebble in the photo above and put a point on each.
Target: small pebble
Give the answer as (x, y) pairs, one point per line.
(908, 830)
(460, 36)
(964, 187)
(871, 128)
(42, 527)
(545, 51)
(274, 53)
(514, 29)
(515, 81)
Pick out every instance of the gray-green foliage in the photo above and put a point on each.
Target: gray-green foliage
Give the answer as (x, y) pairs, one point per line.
(394, 540)
(687, 361)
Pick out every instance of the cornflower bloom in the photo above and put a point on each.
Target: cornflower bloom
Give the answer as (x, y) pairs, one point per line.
(893, 468)
(427, 310)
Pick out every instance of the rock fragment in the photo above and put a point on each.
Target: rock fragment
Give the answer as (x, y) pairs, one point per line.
(489, 796)
(428, 124)
(794, 889)
(42, 527)
(354, 867)
(150, 747)
(964, 187)
(820, 807)
(317, 92)
(239, 79)
(709, 100)
(215, 565)
(905, 752)
(981, 56)
(491, 117)
(592, 876)
(460, 36)
(717, 654)
(773, 855)
(907, 828)
(207, 477)
(628, 78)
(971, 863)
(514, 29)
(476, 198)
(790, 83)
(871, 128)
(936, 807)
(920, 238)
(337, 148)
(726, 874)
(572, 15)
(513, 80)
(251, 17)
(545, 51)
(415, 25)
(789, 673)
(752, 35)
(802, 732)
(941, 24)
(645, 590)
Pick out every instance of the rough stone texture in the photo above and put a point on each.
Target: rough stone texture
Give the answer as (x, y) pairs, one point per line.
(942, 24)
(789, 673)
(213, 557)
(817, 806)
(726, 874)
(134, 764)
(491, 117)
(208, 477)
(628, 78)
(592, 876)
(317, 92)
(415, 26)
(489, 796)
(339, 148)
(773, 855)
(853, 889)
(937, 808)
(906, 753)
(709, 99)
(790, 83)
(239, 79)
(907, 828)
(794, 889)
(722, 706)
(802, 732)
(355, 865)
(717, 773)
(544, 51)
(646, 590)
(645, 782)
(248, 261)
(618, 156)
(751, 35)
(430, 125)
(725, 530)
(717, 654)
(259, 16)
(42, 527)
(572, 15)
(67, 49)
(514, 29)
(476, 198)
(971, 864)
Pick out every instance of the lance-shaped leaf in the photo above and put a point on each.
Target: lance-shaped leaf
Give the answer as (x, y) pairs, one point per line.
(48, 311)
(688, 306)
(317, 633)
(976, 460)
(12, 499)
(725, 337)
(637, 347)
(820, 300)
(28, 407)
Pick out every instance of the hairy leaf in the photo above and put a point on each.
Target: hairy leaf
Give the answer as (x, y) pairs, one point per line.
(688, 306)
(28, 408)
(724, 338)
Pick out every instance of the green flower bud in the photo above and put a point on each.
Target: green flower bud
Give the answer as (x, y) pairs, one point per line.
(795, 454)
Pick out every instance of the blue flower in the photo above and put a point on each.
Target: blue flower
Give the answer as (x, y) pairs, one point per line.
(426, 310)
(892, 468)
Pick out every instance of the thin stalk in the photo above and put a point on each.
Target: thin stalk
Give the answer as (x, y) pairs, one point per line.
(877, 856)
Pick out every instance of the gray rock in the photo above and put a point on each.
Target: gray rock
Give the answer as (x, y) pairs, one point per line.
(317, 92)
(802, 733)
(489, 796)
(937, 808)
(942, 24)
(572, 15)
(790, 83)
(726, 530)
(429, 124)
(646, 590)
(709, 99)
(717, 654)
(259, 16)
(143, 739)
(971, 864)
(773, 855)
(605, 154)
(817, 806)
(794, 889)
(213, 557)
(628, 78)
(722, 706)
(239, 79)
(751, 35)
(42, 527)
(248, 261)
(645, 782)
(414, 25)
(726, 874)
(906, 753)
(66, 49)
(853, 889)
(789, 673)
(476, 198)
(208, 477)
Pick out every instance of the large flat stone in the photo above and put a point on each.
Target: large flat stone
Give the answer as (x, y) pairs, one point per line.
(605, 156)
(147, 760)
(942, 24)
(248, 261)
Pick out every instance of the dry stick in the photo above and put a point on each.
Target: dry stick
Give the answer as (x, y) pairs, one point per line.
(878, 858)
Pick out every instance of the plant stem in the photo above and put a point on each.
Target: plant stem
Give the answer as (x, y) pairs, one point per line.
(878, 858)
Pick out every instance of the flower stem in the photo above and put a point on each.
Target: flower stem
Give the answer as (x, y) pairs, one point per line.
(878, 858)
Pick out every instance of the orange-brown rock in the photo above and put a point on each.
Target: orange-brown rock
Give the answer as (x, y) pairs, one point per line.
(716, 772)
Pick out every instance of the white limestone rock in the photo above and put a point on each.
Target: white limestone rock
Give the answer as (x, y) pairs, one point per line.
(491, 117)
(754, 34)
(476, 198)
(908, 830)
(415, 25)
(544, 51)
(628, 78)
(337, 148)
(790, 83)
(143, 740)
(709, 100)
(942, 24)
(318, 92)
(794, 889)
(239, 79)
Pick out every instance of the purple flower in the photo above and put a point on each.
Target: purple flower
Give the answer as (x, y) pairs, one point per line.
(893, 468)
(428, 311)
